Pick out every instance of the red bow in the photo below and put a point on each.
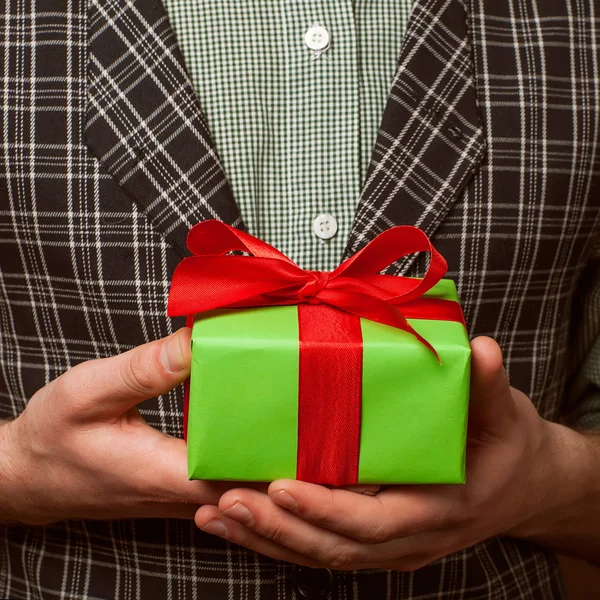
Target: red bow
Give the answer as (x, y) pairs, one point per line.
(209, 279)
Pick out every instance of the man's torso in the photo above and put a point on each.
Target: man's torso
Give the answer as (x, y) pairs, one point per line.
(488, 142)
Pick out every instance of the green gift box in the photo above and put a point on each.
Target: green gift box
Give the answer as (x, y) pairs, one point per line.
(243, 407)
(346, 377)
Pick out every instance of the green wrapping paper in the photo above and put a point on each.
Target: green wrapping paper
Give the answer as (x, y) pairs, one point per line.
(243, 407)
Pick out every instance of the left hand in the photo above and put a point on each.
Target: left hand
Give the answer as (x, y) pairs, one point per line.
(511, 472)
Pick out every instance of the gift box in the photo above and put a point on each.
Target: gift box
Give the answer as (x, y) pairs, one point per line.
(337, 378)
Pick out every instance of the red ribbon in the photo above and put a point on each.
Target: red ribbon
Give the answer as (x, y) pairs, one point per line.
(330, 340)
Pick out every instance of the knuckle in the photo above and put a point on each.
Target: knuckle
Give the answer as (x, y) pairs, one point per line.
(245, 537)
(341, 558)
(67, 388)
(276, 532)
(307, 561)
(65, 385)
(322, 519)
(139, 373)
(323, 515)
(376, 532)
(314, 554)
(60, 385)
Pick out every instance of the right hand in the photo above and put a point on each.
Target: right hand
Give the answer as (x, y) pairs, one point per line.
(81, 449)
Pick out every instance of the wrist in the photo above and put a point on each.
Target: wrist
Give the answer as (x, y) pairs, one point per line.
(565, 482)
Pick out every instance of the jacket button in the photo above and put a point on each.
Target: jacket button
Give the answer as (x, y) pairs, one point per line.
(313, 583)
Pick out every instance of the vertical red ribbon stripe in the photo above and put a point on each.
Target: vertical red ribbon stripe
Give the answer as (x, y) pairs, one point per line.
(329, 395)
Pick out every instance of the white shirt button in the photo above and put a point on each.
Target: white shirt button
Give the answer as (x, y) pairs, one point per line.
(325, 226)
(317, 38)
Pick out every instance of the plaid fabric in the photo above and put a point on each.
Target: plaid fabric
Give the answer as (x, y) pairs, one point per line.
(295, 129)
(158, 149)
(89, 239)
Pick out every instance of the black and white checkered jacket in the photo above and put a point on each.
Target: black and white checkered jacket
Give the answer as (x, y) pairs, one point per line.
(490, 143)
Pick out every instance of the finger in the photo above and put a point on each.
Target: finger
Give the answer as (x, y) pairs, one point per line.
(258, 513)
(492, 409)
(408, 554)
(393, 513)
(108, 387)
(211, 520)
(269, 521)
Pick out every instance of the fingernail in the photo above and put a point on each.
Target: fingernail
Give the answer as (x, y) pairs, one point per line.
(283, 498)
(171, 355)
(216, 527)
(239, 512)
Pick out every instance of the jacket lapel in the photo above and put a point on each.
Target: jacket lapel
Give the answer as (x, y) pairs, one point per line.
(144, 123)
(431, 140)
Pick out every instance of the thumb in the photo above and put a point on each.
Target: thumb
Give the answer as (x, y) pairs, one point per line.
(109, 387)
(491, 407)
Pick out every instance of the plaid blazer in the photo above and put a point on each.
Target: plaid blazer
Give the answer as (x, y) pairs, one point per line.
(489, 143)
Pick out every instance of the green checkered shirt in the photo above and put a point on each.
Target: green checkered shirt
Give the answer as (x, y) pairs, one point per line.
(294, 127)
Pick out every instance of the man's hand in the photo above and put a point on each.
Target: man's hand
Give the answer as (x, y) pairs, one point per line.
(81, 449)
(521, 481)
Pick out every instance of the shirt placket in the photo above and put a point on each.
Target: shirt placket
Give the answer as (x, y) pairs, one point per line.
(320, 127)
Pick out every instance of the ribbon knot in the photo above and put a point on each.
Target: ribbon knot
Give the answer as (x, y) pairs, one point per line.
(310, 292)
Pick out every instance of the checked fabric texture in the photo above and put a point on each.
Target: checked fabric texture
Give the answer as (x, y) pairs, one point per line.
(293, 109)
(489, 142)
